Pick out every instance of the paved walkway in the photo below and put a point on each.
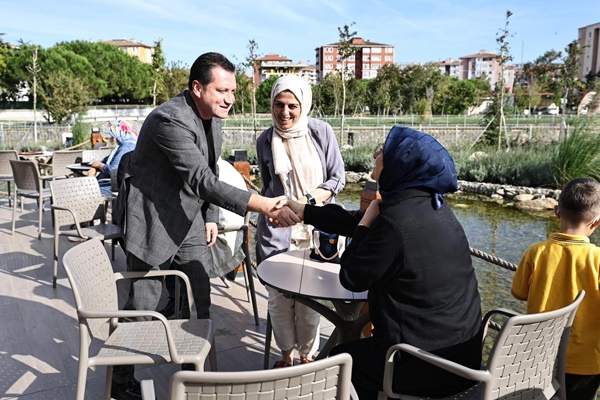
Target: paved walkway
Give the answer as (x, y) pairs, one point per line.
(38, 325)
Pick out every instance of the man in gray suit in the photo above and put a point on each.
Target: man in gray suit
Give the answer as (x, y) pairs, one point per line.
(168, 209)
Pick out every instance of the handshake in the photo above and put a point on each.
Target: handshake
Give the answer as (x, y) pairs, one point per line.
(285, 212)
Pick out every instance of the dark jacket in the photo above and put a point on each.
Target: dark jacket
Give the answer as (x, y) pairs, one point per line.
(416, 264)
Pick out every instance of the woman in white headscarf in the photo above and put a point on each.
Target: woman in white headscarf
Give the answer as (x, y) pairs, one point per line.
(298, 157)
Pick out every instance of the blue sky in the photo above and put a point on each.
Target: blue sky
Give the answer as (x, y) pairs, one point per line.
(421, 30)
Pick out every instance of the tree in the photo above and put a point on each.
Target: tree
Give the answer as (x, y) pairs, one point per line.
(65, 95)
(158, 70)
(345, 50)
(251, 63)
(325, 95)
(4, 50)
(503, 58)
(384, 94)
(263, 94)
(568, 75)
(175, 79)
(34, 69)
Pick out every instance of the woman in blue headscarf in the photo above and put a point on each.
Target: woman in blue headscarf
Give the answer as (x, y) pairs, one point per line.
(411, 253)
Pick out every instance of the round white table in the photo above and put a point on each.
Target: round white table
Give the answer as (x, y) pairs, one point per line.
(306, 281)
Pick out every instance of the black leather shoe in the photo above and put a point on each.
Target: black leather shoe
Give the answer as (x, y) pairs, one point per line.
(126, 391)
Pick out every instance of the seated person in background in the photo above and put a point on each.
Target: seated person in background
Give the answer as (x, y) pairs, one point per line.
(226, 252)
(126, 137)
(553, 272)
(412, 255)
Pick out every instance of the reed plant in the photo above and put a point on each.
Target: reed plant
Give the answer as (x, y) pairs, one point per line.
(578, 152)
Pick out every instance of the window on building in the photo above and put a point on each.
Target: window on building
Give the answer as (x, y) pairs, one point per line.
(351, 58)
(389, 58)
(366, 58)
(328, 49)
(328, 66)
(375, 66)
(376, 58)
(389, 49)
(328, 58)
(367, 66)
(376, 50)
(366, 49)
(350, 66)
(366, 74)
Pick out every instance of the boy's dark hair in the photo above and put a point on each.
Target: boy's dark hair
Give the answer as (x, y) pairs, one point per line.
(579, 200)
(201, 70)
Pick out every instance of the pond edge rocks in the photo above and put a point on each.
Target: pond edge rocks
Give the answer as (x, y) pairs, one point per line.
(521, 197)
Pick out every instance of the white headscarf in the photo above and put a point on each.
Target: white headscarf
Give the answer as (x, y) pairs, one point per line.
(293, 149)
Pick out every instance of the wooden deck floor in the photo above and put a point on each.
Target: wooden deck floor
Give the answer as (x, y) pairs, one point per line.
(38, 325)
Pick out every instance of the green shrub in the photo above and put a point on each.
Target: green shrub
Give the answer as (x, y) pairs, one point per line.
(358, 159)
(521, 166)
(81, 131)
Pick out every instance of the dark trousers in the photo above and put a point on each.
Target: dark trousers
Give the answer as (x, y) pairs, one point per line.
(582, 387)
(411, 375)
(144, 294)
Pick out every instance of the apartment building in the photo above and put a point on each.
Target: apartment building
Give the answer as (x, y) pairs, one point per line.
(277, 65)
(139, 50)
(450, 67)
(485, 64)
(589, 37)
(364, 64)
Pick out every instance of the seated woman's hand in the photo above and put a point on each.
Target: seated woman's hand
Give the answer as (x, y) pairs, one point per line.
(297, 207)
(371, 214)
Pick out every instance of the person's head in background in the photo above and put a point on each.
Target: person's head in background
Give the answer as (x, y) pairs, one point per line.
(291, 100)
(121, 131)
(579, 205)
(413, 159)
(212, 85)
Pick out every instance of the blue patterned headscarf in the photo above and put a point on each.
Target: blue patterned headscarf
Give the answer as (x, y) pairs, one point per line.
(413, 159)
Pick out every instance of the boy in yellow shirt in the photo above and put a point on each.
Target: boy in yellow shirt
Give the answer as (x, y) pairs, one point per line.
(551, 274)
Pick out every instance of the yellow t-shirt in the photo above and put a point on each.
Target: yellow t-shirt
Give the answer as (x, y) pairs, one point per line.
(549, 277)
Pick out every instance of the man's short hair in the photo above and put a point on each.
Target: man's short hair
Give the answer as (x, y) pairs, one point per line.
(579, 200)
(201, 70)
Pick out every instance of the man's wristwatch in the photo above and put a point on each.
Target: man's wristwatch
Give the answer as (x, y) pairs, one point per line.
(311, 200)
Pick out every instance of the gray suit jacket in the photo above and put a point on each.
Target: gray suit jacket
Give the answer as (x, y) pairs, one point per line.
(169, 182)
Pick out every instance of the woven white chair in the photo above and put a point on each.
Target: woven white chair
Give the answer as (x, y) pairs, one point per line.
(527, 359)
(30, 184)
(325, 379)
(79, 211)
(59, 162)
(158, 341)
(6, 174)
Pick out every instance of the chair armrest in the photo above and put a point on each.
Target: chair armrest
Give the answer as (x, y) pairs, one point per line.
(451, 366)
(147, 386)
(486, 322)
(162, 273)
(74, 215)
(90, 314)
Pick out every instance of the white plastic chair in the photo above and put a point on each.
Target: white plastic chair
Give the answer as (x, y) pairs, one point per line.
(6, 174)
(325, 379)
(78, 206)
(527, 360)
(158, 341)
(30, 184)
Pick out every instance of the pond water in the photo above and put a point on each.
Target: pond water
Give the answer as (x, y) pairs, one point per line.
(499, 230)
